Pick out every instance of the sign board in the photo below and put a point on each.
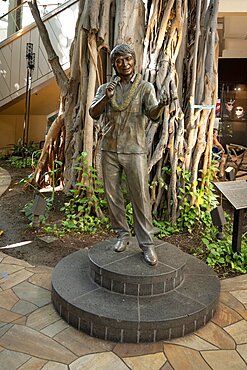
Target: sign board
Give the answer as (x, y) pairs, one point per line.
(235, 192)
(39, 205)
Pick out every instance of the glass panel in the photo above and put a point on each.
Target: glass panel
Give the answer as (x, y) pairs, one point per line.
(233, 114)
(13, 20)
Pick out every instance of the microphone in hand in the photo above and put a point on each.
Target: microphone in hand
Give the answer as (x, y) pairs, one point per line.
(116, 79)
(110, 89)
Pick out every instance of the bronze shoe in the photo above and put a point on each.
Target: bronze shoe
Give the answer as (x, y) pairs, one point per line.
(121, 245)
(150, 255)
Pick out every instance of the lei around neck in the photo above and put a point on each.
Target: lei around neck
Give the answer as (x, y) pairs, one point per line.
(128, 99)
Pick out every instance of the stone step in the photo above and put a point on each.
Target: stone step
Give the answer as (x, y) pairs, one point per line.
(127, 272)
(133, 318)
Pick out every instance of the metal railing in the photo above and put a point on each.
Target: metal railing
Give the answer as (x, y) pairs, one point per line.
(20, 16)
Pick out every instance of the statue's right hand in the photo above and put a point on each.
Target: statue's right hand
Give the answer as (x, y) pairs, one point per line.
(110, 89)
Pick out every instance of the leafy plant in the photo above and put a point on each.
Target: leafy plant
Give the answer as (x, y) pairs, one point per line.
(3, 155)
(24, 155)
(165, 228)
(130, 216)
(19, 162)
(83, 213)
(219, 253)
(28, 208)
(24, 150)
(204, 200)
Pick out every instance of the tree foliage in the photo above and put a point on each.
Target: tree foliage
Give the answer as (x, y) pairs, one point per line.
(176, 47)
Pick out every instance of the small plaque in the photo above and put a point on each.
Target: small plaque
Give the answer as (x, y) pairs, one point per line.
(235, 192)
(39, 205)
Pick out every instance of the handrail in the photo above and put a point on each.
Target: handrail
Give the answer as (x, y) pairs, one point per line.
(13, 9)
(26, 2)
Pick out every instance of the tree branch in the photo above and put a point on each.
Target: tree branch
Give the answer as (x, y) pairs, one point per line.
(53, 59)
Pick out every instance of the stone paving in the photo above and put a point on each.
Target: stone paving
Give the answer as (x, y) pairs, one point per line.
(34, 337)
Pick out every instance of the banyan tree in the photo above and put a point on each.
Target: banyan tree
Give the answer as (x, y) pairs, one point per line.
(176, 49)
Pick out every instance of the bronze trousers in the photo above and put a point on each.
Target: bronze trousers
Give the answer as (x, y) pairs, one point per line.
(134, 166)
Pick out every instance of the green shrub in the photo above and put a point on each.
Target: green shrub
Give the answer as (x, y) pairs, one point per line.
(83, 213)
(219, 253)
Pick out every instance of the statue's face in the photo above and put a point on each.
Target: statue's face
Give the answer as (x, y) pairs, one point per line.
(125, 65)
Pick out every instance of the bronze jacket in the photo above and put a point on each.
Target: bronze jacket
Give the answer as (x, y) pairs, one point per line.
(124, 130)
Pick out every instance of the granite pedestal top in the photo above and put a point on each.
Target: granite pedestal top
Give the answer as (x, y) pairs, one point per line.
(128, 273)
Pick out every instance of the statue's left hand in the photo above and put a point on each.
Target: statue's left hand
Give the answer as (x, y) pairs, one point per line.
(164, 99)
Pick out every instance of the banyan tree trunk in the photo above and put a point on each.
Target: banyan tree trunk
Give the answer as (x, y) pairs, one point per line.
(176, 49)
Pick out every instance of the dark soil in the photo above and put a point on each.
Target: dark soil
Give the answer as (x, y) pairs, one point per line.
(16, 229)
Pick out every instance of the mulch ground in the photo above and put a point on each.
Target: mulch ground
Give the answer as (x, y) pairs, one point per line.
(15, 228)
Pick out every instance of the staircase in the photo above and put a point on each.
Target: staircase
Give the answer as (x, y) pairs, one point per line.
(60, 24)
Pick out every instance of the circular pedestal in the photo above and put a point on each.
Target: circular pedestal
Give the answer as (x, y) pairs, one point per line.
(127, 272)
(117, 296)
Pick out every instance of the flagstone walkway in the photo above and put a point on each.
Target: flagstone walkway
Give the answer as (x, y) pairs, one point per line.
(34, 337)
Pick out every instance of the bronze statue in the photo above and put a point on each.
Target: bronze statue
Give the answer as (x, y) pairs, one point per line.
(125, 101)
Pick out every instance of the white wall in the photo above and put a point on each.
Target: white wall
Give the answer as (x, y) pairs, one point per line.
(234, 15)
(232, 6)
(11, 128)
(235, 35)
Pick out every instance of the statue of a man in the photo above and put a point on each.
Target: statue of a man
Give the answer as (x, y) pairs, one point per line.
(125, 101)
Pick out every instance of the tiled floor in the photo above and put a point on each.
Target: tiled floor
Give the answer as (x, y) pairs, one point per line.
(33, 336)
